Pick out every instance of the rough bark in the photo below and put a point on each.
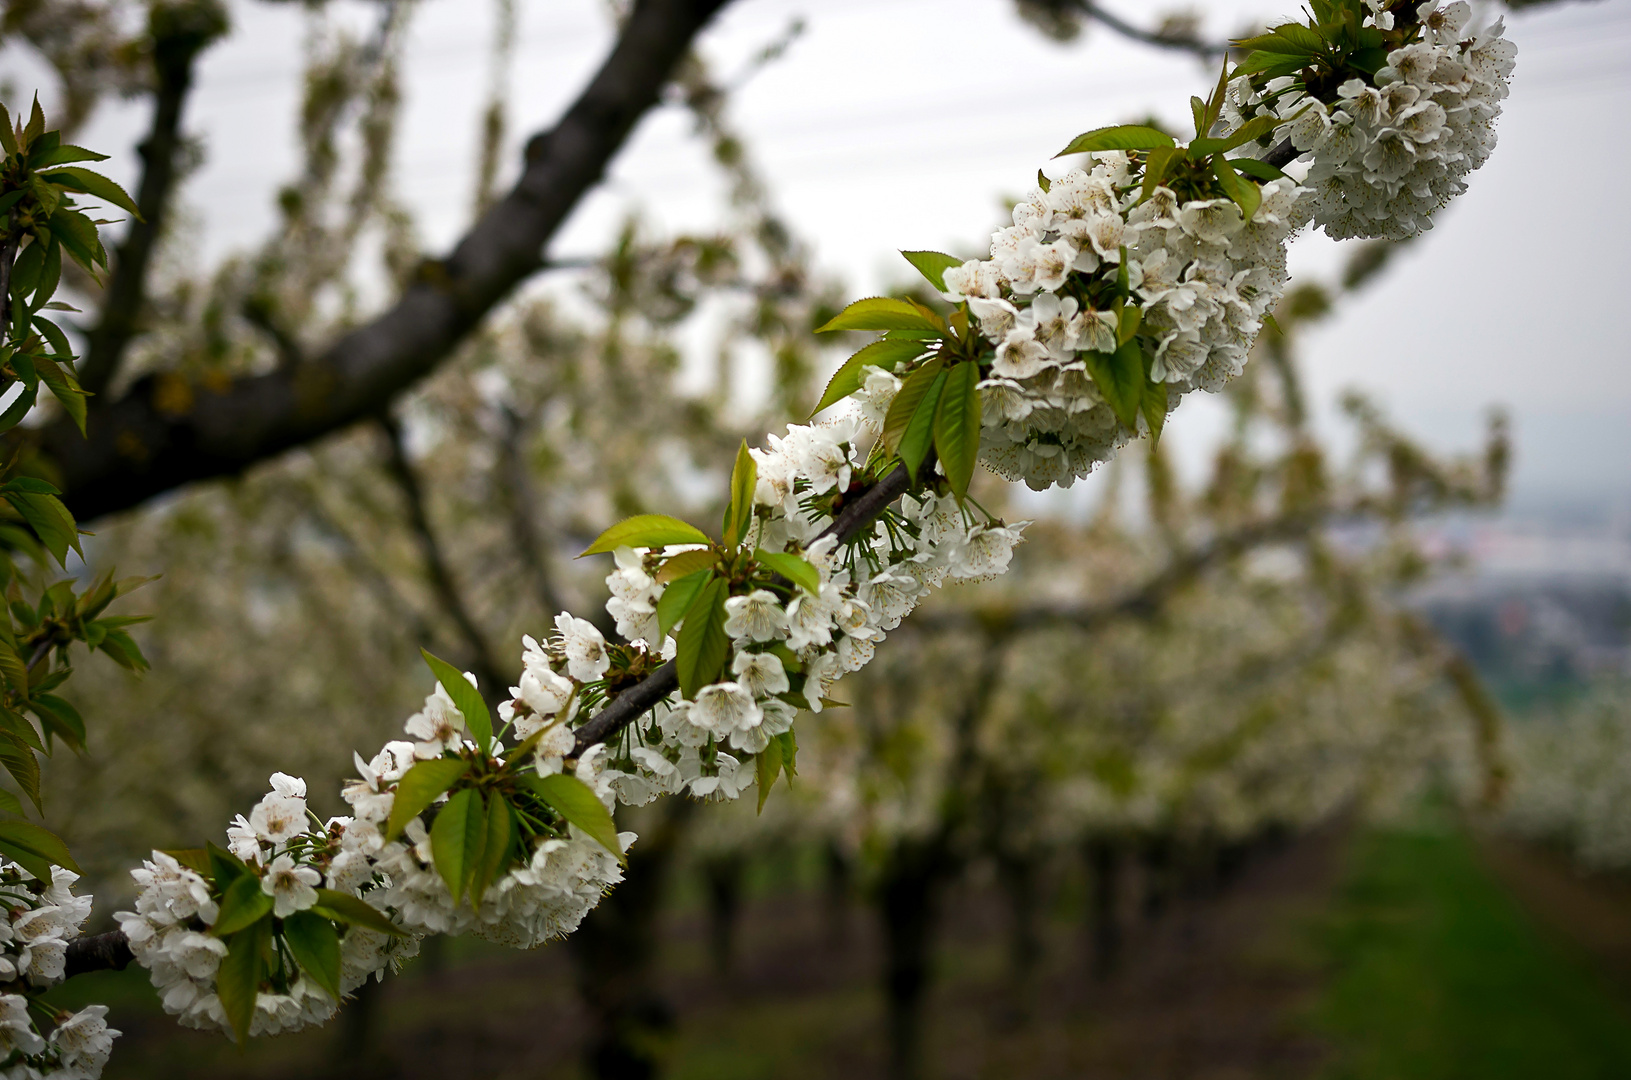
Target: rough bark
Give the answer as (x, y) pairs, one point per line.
(138, 449)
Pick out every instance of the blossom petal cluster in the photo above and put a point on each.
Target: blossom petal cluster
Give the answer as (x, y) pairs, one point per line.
(40, 919)
(1388, 152)
(1202, 275)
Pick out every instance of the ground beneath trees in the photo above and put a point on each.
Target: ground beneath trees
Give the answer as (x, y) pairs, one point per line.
(1261, 979)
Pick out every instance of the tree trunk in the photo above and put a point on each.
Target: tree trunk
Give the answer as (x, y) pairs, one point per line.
(839, 889)
(615, 952)
(723, 876)
(1020, 877)
(907, 900)
(1104, 868)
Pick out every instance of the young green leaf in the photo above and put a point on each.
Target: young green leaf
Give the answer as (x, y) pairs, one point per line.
(94, 184)
(1120, 378)
(850, 377)
(1043, 182)
(63, 154)
(238, 979)
(10, 803)
(31, 861)
(677, 599)
(1259, 170)
(1154, 406)
(1157, 165)
(244, 903)
(225, 867)
(647, 531)
(904, 406)
(934, 264)
(881, 313)
(703, 646)
(918, 436)
(315, 945)
(500, 830)
(685, 564)
(791, 567)
(458, 838)
(744, 482)
(957, 426)
(465, 696)
(1121, 137)
(1128, 320)
(768, 766)
(196, 859)
(419, 787)
(64, 388)
(40, 841)
(354, 911)
(1246, 195)
(790, 754)
(571, 798)
(24, 768)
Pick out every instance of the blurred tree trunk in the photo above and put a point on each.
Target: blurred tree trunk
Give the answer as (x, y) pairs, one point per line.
(1104, 857)
(908, 904)
(723, 876)
(615, 953)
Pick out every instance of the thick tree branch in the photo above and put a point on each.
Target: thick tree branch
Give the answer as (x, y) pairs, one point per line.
(1161, 39)
(99, 952)
(144, 444)
(180, 32)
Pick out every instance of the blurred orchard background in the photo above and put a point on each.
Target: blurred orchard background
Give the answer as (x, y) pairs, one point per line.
(1297, 746)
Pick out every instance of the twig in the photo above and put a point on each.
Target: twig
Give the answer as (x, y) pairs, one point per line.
(1204, 49)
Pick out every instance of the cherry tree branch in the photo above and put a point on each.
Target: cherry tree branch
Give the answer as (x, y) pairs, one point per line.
(1207, 50)
(143, 444)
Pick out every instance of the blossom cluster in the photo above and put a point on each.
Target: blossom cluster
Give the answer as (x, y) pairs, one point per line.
(39, 921)
(1389, 152)
(1202, 275)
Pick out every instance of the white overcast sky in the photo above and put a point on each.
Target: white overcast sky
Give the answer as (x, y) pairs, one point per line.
(901, 123)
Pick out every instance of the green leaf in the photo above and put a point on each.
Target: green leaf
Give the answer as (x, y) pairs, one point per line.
(24, 768)
(957, 426)
(1120, 378)
(10, 803)
(1260, 170)
(918, 436)
(685, 564)
(703, 646)
(791, 567)
(1246, 195)
(1043, 182)
(881, 313)
(677, 599)
(790, 754)
(17, 726)
(1121, 137)
(225, 867)
(1291, 39)
(77, 234)
(500, 830)
(466, 697)
(242, 904)
(31, 861)
(94, 184)
(1128, 320)
(354, 911)
(122, 647)
(744, 482)
(65, 153)
(885, 353)
(64, 387)
(60, 718)
(196, 859)
(21, 405)
(904, 406)
(934, 264)
(40, 841)
(768, 766)
(419, 787)
(1157, 165)
(238, 979)
(50, 521)
(571, 798)
(457, 838)
(1154, 406)
(647, 531)
(14, 670)
(1270, 65)
(315, 945)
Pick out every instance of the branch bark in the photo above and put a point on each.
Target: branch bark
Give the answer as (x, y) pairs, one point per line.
(180, 33)
(141, 445)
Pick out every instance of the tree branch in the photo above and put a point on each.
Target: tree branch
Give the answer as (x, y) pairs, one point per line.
(138, 449)
(180, 32)
(493, 681)
(1205, 49)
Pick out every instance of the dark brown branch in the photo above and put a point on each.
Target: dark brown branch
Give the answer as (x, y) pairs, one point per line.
(1206, 50)
(142, 445)
(488, 673)
(99, 952)
(179, 32)
(638, 699)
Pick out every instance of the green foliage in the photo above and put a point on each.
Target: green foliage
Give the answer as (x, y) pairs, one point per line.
(647, 531)
(934, 264)
(243, 903)
(885, 353)
(571, 798)
(315, 946)
(458, 839)
(884, 313)
(792, 567)
(744, 481)
(957, 426)
(238, 979)
(466, 697)
(703, 646)
(419, 787)
(1121, 137)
